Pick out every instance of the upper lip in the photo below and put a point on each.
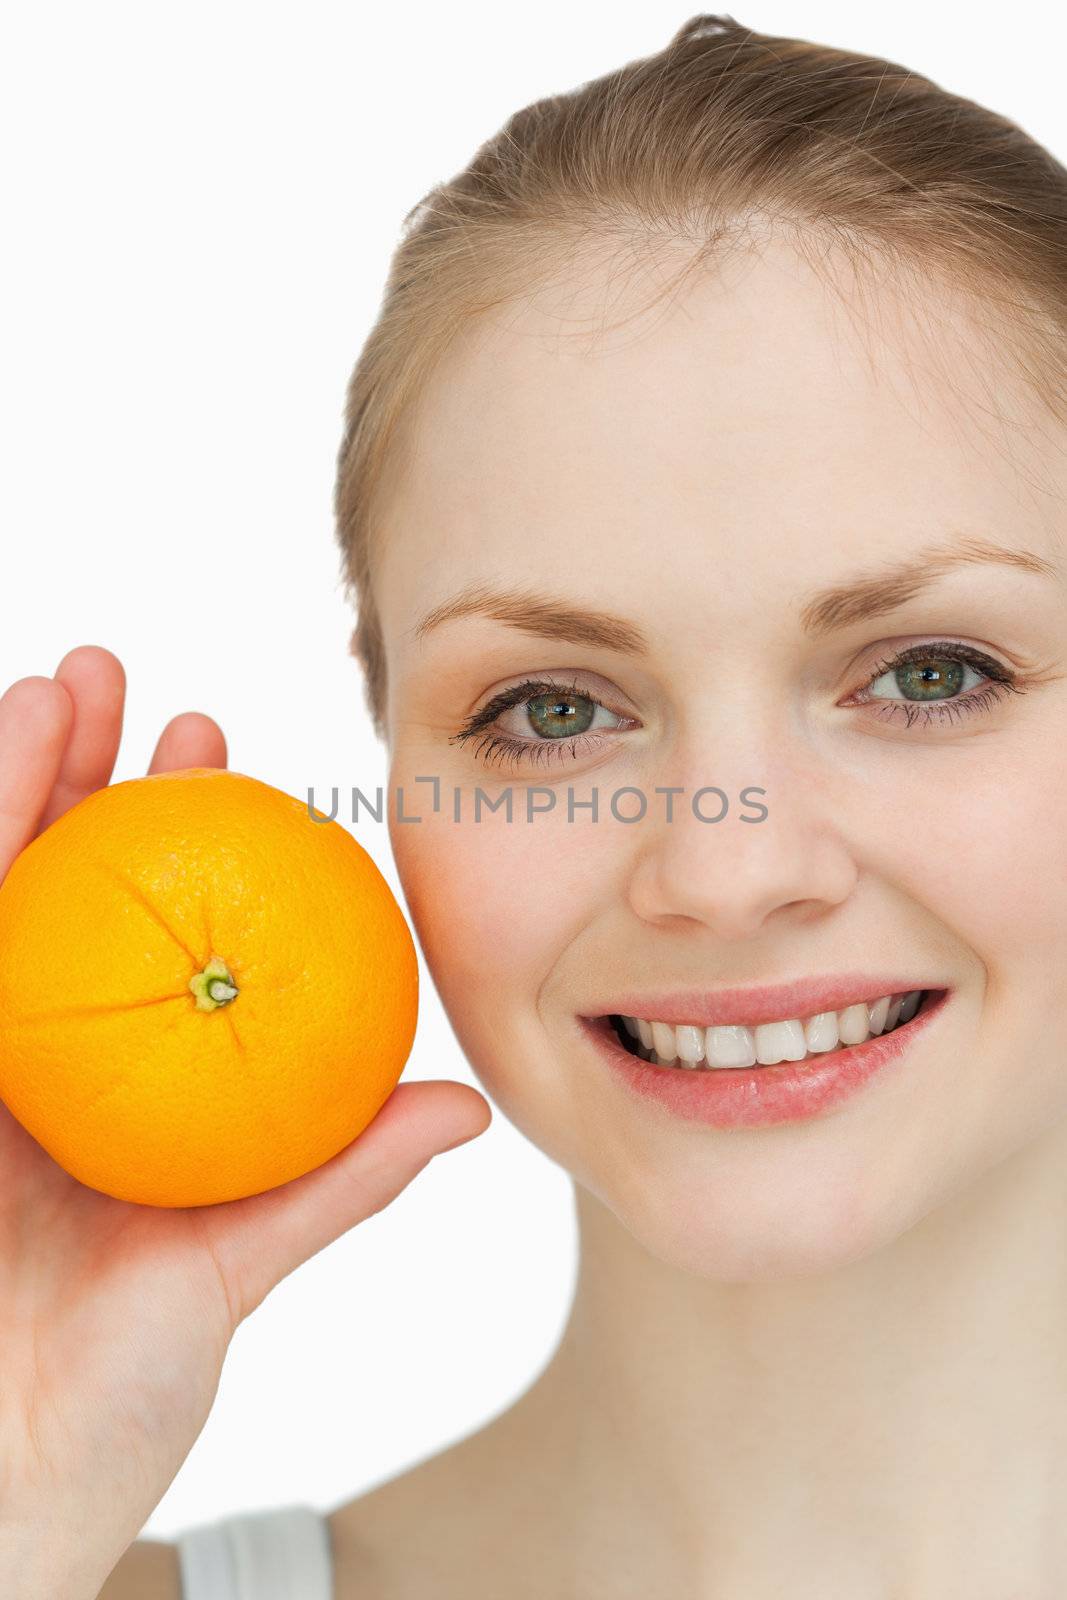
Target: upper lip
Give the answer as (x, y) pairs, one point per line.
(748, 1007)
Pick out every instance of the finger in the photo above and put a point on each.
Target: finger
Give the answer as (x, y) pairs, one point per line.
(96, 682)
(259, 1240)
(36, 715)
(190, 739)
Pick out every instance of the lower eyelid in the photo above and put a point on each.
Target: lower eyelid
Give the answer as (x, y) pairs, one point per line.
(979, 699)
(517, 751)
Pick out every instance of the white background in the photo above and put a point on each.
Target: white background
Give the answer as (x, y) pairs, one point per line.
(199, 203)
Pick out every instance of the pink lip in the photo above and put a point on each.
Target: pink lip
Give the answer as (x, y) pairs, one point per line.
(804, 997)
(791, 1091)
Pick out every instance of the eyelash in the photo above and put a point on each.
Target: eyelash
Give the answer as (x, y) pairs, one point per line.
(1001, 681)
(516, 750)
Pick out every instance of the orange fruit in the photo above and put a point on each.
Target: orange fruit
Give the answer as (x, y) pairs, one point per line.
(204, 991)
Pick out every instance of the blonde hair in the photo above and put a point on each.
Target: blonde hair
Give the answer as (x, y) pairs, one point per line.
(723, 125)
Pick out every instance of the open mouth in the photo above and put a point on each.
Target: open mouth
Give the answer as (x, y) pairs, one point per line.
(799, 1040)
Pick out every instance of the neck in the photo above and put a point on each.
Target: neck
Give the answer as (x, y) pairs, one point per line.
(896, 1425)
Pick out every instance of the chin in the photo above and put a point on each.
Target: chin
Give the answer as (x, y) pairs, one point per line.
(745, 1252)
(802, 1224)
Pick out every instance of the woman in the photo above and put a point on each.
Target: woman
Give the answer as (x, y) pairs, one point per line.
(708, 449)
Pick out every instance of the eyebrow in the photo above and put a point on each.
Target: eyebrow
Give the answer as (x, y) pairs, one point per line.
(825, 611)
(864, 597)
(543, 614)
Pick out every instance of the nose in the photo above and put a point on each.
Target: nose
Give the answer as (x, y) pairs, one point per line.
(739, 879)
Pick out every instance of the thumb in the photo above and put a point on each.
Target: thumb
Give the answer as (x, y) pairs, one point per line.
(259, 1240)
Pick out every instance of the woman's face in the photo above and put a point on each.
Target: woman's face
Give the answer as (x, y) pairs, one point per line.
(703, 471)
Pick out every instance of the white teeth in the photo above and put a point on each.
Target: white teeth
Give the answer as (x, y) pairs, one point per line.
(663, 1041)
(689, 1042)
(854, 1023)
(820, 1031)
(766, 1044)
(879, 1012)
(730, 1045)
(780, 1041)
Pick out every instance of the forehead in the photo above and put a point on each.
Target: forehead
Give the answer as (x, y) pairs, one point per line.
(631, 408)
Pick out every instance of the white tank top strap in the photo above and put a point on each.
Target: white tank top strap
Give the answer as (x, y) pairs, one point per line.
(282, 1554)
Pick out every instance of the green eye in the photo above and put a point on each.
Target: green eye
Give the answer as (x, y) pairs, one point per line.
(558, 716)
(545, 721)
(934, 678)
(939, 682)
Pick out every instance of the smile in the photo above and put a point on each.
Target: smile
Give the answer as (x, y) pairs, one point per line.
(798, 1039)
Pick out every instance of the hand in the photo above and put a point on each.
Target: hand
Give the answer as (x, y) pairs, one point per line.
(115, 1318)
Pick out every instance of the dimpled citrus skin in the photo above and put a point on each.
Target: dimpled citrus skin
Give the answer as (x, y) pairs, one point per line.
(105, 1056)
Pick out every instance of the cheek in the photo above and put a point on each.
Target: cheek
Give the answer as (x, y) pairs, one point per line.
(496, 903)
(989, 858)
(984, 859)
(1020, 871)
(470, 892)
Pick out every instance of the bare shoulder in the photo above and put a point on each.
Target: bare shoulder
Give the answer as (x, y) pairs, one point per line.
(377, 1537)
(148, 1570)
(413, 1534)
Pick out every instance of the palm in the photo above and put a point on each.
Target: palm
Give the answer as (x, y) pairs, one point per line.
(115, 1318)
(91, 1286)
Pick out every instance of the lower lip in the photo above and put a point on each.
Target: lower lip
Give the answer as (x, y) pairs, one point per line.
(746, 1097)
